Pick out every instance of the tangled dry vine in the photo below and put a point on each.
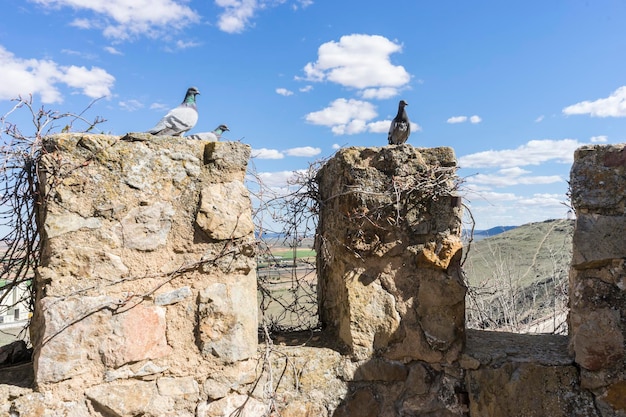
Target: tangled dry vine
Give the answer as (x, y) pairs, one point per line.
(21, 151)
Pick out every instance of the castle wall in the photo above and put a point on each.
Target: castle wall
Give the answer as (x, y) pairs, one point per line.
(146, 298)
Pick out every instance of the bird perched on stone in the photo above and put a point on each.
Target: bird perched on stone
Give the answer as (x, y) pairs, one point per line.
(400, 128)
(180, 119)
(213, 136)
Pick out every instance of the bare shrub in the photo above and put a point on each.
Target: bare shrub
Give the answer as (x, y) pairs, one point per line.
(286, 218)
(21, 150)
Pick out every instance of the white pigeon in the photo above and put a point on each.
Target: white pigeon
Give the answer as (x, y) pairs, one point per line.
(213, 136)
(400, 128)
(180, 119)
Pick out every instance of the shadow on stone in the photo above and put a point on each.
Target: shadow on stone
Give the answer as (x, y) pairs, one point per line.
(16, 367)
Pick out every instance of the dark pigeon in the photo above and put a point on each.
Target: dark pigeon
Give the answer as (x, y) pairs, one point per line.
(213, 136)
(180, 119)
(400, 128)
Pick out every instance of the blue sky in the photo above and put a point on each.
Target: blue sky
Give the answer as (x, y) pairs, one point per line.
(514, 87)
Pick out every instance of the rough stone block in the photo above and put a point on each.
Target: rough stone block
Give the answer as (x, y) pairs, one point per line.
(137, 334)
(225, 211)
(514, 390)
(178, 387)
(388, 251)
(598, 240)
(596, 338)
(227, 161)
(597, 179)
(127, 399)
(234, 404)
(69, 332)
(172, 297)
(227, 325)
(146, 228)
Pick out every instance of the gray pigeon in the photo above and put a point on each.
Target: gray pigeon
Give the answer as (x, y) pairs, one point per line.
(400, 128)
(180, 119)
(210, 136)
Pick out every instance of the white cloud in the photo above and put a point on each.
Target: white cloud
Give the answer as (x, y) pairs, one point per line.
(123, 19)
(186, 45)
(544, 200)
(302, 3)
(112, 50)
(336, 146)
(539, 119)
(264, 153)
(237, 14)
(344, 116)
(359, 61)
(612, 106)
(504, 179)
(43, 77)
(277, 179)
(498, 209)
(456, 119)
(303, 151)
(599, 139)
(284, 92)
(462, 119)
(82, 23)
(379, 93)
(532, 153)
(306, 88)
(159, 106)
(131, 105)
(382, 126)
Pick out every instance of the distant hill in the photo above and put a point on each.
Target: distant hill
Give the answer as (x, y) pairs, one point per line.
(481, 234)
(518, 276)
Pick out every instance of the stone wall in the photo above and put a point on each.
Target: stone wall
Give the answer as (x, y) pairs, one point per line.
(597, 319)
(148, 255)
(146, 297)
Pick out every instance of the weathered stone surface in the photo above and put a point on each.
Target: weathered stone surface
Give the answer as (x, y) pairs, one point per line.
(303, 409)
(615, 397)
(57, 225)
(528, 390)
(361, 403)
(440, 255)
(215, 389)
(235, 378)
(172, 297)
(235, 404)
(428, 391)
(385, 247)
(146, 228)
(225, 218)
(227, 330)
(137, 334)
(57, 355)
(45, 405)
(596, 338)
(127, 399)
(147, 370)
(597, 179)
(378, 369)
(178, 387)
(226, 160)
(598, 240)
